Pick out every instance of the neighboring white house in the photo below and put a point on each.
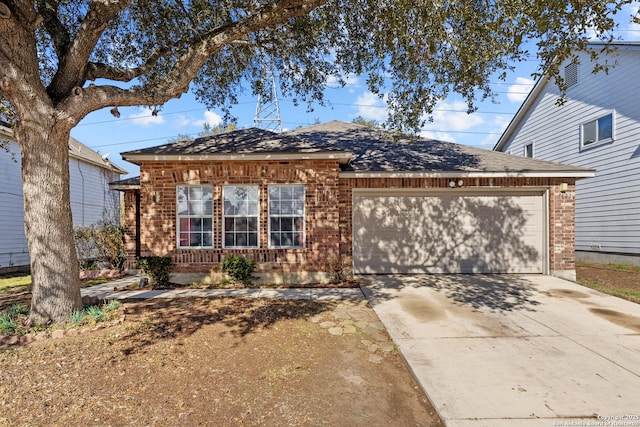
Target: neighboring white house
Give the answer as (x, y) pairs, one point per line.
(91, 197)
(598, 127)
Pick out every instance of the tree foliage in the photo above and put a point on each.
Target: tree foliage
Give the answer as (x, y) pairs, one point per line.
(145, 52)
(62, 59)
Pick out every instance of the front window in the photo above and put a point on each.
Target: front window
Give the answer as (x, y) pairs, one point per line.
(240, 216)
(195, 216)
(597, 131)
(286, 216)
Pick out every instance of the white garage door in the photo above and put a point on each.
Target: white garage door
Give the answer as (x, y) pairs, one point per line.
(448, 233)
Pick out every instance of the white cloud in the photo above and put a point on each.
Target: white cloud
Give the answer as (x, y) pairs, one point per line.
(631, 30)
(497, 128)
(438, 136)
(371, 107)
(449, 118)
(519, 91)
(210, 118)
(145, 117)
(349, 79)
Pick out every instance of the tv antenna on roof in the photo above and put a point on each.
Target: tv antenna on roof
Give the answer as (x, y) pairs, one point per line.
(267, 108)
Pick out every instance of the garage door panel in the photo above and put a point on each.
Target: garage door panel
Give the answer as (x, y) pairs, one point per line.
(448, 234)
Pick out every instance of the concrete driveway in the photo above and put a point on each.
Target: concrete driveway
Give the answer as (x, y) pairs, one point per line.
(515, 350)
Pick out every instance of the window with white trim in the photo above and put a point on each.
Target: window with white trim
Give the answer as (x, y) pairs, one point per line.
(240, 212)
(194, 211)
(286, 216)
(528, 150)
(598, 131)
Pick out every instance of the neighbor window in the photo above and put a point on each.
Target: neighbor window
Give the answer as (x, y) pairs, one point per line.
(240, 213)
(286, 216)
(195, 216)
(597, 131)
(528, 150)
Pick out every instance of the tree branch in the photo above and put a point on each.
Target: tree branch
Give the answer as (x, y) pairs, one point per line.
(48, 9)
(74, 59)
(177, 81)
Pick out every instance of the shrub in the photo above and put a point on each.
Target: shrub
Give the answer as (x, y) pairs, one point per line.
(156, 267)
(239, 269)
(339, 268)
(102, 242)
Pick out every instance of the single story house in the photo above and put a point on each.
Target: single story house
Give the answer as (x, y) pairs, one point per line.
(296, 200)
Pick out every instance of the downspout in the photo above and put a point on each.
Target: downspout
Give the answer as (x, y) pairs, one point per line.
(137, 193)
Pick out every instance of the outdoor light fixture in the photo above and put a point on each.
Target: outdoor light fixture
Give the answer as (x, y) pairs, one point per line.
(460, 183)
(453, 183)
(564, 187)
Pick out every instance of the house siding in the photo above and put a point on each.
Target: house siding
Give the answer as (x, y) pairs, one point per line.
(607, 205)
(90, 198)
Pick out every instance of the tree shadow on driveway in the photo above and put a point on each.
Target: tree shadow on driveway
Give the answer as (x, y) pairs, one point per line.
(496, 292)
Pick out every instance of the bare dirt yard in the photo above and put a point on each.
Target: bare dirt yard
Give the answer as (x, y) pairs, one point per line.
(217, 362)
(619, 280)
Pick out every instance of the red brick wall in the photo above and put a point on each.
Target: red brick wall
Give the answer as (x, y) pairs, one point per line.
(158, 182)
(328, 211)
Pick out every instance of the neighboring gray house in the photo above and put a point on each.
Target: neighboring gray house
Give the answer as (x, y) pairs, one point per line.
(91, 197)
(598, 127)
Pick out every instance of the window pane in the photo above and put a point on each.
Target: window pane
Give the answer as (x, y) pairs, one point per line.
(286, 224)
(195, 193)
(195, 208)
(196, 239)
(241, 224)
(274, 192)
(208, 207)
(274, 240)
(253, 239)
(207, 224)
(228, 239)
(274, 224)
(228, 208)
(195, 224)
(298, 192)
(184, 239)
(241, 239)
(252, 224)
(286, 193)
(207, 239)
(605, 127)
(297, 239)
(287, 239)
(184, 224)
(298, 224)
(274, 207)
(252, 208)
(589, 132)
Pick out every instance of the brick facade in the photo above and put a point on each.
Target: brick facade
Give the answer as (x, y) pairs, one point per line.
(328, 211)
(158, 182)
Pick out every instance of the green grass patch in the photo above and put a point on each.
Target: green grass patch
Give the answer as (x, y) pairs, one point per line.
(611, 290)
(10, 284)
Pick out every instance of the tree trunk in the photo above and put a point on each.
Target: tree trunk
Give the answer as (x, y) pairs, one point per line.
(47, 220)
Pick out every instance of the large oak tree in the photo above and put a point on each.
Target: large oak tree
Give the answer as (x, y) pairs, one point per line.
(62, 59)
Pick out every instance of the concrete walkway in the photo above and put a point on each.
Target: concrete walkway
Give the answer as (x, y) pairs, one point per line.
(511, 350)
(109, 291)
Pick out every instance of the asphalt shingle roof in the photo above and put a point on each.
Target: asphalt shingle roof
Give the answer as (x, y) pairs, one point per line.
(373, 150)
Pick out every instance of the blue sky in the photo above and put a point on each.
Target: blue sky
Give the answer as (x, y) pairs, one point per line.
(137, 128)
